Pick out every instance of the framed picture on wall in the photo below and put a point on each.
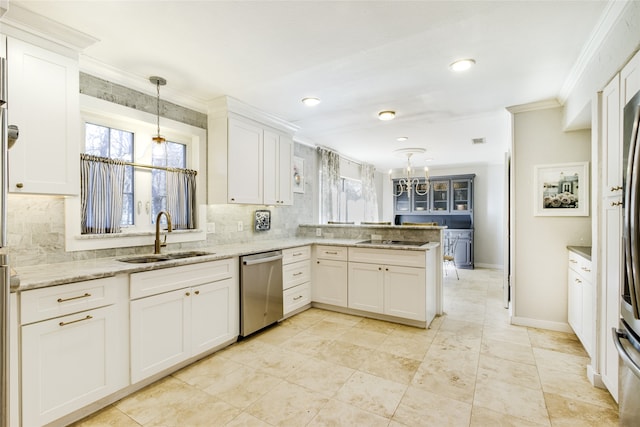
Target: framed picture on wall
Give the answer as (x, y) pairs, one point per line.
(561, 189)
(298, 175)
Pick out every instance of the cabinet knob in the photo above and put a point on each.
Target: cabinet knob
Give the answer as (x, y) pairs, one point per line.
(379, 268)
(19, 185)
(187, 293)
(619, 203)
(197, 292)
(233, 199)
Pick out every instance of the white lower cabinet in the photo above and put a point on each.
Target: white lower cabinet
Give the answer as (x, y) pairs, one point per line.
(581, 306)
(78, 357)
(175, 325)
(296, 279)
(397, 287)
(330, 275)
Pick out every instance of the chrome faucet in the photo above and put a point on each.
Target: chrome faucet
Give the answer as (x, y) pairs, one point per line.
(158, 245)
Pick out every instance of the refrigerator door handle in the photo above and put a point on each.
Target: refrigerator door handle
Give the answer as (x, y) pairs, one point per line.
(624, 355)
(631, 243)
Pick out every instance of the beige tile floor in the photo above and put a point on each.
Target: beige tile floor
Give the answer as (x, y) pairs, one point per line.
(327, 369)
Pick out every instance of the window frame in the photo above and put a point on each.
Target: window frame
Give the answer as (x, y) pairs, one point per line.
(143, 125)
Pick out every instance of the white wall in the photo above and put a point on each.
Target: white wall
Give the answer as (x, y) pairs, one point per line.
(539, 263)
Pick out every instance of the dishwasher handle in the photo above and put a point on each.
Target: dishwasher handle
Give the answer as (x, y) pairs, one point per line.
(251, 260)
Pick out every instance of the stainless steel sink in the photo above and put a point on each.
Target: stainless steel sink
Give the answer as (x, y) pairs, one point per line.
(145, 259)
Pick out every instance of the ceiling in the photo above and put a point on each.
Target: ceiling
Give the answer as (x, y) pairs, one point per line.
(358, 57)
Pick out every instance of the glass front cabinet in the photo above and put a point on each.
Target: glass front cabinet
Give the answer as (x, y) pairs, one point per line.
(461, 195)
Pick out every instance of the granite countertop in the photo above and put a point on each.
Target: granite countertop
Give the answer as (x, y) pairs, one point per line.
(40, 276)
(584, 251)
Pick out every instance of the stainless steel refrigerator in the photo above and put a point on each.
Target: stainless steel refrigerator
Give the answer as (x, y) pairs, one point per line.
(627, 337)
(4, 262)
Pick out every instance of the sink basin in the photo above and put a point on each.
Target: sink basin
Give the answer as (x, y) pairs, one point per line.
(391, 242)
(145, 259)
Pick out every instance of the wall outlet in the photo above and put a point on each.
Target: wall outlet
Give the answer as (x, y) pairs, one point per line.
(376, 237)
(318, 232)
(211, 227)
(240, 226)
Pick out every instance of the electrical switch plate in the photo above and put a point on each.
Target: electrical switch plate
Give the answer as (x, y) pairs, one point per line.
(211, 227)
(240, 226)
(319, 232)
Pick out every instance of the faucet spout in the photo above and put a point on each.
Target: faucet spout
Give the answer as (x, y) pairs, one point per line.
(159, 244)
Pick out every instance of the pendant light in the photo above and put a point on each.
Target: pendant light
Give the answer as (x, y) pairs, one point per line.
(158, 81)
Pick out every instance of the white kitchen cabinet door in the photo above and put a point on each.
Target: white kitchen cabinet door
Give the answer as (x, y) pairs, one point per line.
(405, 292)
(43, 91)
(214, 314)
(278, 155)
(574, 297)
(630, 79)
(329, 283)
(245, 162)
(366, 287)
(160, 328)
(69, 362)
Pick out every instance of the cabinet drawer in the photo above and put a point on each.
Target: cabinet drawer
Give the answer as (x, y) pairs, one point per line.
(580, 265)
(338, 253)
(295, 274)
(462, 234)
(296, 297)
(162, 280)
(388, 257)
(54, 301)
(296, 254)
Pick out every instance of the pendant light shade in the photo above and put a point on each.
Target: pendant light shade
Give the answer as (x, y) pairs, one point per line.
(158, 81)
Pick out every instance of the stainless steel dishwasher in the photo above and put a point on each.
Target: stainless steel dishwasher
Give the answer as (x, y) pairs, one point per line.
(260, 291)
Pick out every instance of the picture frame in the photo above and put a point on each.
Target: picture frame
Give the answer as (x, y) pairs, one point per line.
(298, 175)
(262, 220)
(561, 189)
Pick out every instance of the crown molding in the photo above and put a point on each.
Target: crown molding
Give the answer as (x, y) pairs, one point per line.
(223, 105)
(613, 11)
(17, 21)
(533, 106)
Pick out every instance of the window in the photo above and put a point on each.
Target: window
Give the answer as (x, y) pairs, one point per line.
(351, 206)
(119, 132)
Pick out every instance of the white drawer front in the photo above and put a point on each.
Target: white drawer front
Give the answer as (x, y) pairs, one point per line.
(168, 279)
(338, 253)
(296, 254)
(388, 257)
(296, 297)
(296, 274)
(580, 265)
(54, 301)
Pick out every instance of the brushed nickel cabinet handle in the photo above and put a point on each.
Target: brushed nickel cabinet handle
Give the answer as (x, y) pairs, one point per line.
(86, 295)
(297, 254)
(89, 317)
(619, 203)
(573, 261)
(297, 274)
(578, 280)
(297, 298)
(586, 269)
(331, 253)
(616, 188)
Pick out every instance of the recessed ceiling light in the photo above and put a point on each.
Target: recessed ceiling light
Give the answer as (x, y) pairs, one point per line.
(462, 64)
(386, 115)
(310, 101)
(402, 138)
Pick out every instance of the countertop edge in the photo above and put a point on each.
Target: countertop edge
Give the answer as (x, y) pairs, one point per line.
(584, 251)
(42, 276)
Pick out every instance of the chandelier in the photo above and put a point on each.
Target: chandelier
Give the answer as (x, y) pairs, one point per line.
(158, 81)
(408, 180)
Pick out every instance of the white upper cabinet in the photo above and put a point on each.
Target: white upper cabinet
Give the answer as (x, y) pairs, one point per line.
(249, 162)
(278, 155)
(630, 79)
(43, 91)
(245, 163)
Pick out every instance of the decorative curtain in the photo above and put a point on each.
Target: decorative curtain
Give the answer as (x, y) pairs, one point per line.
(181, 198)
(369, 193)
(101, 194)
(329, 184)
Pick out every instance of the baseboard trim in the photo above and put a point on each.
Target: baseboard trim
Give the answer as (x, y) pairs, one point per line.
(541, 324)
(489, 266)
